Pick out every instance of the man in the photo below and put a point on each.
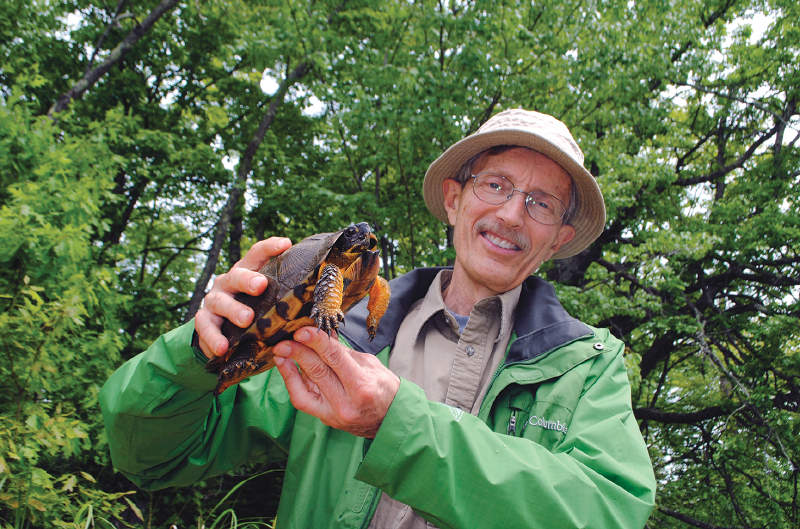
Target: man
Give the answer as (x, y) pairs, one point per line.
(497, 409)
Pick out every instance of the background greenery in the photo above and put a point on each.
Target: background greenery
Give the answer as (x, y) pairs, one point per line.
(172, 160)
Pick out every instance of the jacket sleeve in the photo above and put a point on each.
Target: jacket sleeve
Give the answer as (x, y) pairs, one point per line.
(166, 428)
(456, 472)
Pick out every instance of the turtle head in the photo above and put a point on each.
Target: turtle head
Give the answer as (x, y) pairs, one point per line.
(356, 239)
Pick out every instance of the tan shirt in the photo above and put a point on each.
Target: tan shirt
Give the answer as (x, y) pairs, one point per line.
(451, 367)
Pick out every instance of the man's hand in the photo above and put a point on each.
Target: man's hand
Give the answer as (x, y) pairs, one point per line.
(219, 302)
(346, 390)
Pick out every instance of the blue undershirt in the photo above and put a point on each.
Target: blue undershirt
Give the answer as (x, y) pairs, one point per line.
(460, 320)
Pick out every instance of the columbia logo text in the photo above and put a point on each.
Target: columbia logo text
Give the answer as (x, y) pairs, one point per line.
(547, 425)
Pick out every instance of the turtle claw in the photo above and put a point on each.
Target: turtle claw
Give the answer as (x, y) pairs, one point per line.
(327, 321)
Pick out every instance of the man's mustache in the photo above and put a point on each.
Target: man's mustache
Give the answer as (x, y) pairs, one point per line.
(498, 228)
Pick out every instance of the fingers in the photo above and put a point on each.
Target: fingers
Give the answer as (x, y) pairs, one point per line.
(240, 280)
(212, 342)
(263, 251)
(208, 321)
(243, 277)
(219, 303)
(220, 300)
(315, 388)
(344, 389)
(323, 360)
(304, 394)
(333, 354)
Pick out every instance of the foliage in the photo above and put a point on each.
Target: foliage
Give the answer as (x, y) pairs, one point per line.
(60, 339)
(687, 113)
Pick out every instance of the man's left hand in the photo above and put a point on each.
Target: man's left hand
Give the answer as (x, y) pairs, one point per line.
(345, 389)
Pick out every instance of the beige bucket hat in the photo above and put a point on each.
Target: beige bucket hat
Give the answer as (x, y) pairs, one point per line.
(544, 134)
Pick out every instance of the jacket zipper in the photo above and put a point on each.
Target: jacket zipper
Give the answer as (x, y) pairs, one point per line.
(512, 423)
(367, 518)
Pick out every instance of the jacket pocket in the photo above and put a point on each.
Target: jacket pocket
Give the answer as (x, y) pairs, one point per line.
(547, 424)
(533, 412)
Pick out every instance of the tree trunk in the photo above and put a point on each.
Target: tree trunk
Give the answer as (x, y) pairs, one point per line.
(245, 166)
(235, 243)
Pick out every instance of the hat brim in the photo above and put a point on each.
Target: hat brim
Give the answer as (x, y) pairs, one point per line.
(588, 219)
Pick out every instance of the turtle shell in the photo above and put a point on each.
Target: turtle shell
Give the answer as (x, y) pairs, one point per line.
(283, 272)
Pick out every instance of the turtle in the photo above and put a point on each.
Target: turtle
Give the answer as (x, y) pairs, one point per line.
(312, 283)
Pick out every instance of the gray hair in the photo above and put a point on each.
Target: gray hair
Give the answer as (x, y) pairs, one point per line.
(465, 173)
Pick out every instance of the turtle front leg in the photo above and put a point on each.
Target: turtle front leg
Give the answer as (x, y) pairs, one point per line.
(327, 311)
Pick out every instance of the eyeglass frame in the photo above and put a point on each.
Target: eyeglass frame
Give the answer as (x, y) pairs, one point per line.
(562, 219)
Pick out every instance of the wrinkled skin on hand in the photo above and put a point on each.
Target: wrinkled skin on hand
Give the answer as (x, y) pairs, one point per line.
(345, 389)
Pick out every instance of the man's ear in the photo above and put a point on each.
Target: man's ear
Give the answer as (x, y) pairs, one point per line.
(452, 195)
(565, 234)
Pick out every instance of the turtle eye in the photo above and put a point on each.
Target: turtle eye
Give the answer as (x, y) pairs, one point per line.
(351, 230)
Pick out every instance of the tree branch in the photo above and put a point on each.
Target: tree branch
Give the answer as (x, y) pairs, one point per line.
(696, 523)
(650, 414)
(115, 18)
(116, 55)
(730, 167)
(732, 98)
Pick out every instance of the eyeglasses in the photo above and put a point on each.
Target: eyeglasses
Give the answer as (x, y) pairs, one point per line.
(497, 189)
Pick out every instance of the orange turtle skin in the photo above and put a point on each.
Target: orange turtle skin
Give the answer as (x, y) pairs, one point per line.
(315, 282)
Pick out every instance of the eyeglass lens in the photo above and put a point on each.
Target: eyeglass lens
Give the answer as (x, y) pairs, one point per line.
(497, 189)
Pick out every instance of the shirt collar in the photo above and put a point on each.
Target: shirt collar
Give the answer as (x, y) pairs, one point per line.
(508, 306)
(433, 304)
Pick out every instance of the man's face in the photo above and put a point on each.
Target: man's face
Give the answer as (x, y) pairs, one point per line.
(499, 246)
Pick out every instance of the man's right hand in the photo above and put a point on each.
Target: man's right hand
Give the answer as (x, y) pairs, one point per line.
(219, 302)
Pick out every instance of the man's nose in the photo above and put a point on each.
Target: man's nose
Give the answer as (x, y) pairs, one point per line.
(513, 211)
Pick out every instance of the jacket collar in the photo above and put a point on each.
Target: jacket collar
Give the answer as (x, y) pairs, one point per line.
(541, 324)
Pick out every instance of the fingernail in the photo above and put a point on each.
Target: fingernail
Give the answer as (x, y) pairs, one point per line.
(243, 315)
(278, 360)
(218, 349)
(281, 349)
(302, 335)
(256, 283)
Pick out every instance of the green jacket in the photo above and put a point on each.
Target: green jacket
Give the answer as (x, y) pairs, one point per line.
(555, 443)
